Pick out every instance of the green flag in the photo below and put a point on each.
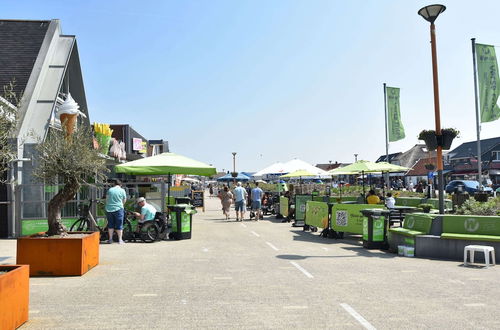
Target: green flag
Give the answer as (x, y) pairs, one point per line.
(395, 126)
(489, 83)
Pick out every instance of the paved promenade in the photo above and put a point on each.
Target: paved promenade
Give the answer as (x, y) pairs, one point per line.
(261, 275)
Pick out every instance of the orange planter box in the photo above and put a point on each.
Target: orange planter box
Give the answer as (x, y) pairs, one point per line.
(14, 295)
(73, 255)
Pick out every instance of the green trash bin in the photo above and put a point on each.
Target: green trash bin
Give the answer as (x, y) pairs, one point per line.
(375, 224)
(181, 216)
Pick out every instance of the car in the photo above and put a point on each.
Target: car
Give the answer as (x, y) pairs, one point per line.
(469, 186)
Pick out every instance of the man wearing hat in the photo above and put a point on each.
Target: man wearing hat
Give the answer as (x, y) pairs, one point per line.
(148, 211)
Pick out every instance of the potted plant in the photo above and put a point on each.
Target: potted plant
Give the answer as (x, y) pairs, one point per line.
(70, 161)
(430, 139)
(14, 295)
(425, 207)
(447, 136)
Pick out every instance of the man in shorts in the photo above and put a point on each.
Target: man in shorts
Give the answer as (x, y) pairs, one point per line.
(256, 195)
(147, 213)
(115, 211)
(240, 196)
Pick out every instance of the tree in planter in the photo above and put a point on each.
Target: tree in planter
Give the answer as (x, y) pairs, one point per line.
(69, 160)
(8, 122)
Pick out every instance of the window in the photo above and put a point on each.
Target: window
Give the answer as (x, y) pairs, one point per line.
(495, 156)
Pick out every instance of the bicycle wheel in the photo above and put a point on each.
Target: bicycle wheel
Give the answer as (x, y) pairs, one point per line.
(149, 232)
(81, 224)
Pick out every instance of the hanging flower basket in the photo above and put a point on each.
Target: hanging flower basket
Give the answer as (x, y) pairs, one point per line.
(429, 167)
(447, 136)
(430, 139)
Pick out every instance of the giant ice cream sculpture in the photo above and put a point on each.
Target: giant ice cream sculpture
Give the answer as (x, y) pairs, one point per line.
(68, 112)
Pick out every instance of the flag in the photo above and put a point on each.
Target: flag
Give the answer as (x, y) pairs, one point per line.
(489, 83)
(395, 126)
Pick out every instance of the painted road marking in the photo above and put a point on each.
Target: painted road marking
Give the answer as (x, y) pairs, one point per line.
(255, 233)
(272, 246)
(408, 271)
(34, 312)
(145, 295)
(205, 250)
(456, 281)
(301, 269)
(223, 278)
(243, 225)
(324, 248)
(358, 317)
(475, 305)
(41, 284)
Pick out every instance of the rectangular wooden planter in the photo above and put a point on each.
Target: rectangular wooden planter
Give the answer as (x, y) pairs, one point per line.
(14, 296)
(59, 256)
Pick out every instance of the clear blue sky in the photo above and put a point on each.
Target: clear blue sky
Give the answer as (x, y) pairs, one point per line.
(273, 80)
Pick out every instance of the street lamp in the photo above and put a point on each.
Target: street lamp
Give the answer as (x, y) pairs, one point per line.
(355, 157)
(234, 174)
(430, 13)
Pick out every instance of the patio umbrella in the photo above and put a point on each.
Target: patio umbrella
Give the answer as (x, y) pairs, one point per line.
(299, 174)
(359, 167)
(228, 178)
(166, 163)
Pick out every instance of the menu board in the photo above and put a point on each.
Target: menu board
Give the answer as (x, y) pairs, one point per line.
(197, 199)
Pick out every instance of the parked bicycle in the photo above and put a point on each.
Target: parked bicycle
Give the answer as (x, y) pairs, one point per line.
(86, 221)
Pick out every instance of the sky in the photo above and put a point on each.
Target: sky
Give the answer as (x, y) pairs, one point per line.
(273, 80)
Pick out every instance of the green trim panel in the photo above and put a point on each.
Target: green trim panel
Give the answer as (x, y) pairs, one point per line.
(467, 237)
(406, 232)
(471, 225)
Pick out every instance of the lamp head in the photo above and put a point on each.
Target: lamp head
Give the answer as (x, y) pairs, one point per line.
(431, 12)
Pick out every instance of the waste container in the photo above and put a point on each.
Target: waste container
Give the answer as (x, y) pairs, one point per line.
(375, 223)
(182, 200)
(181, 216)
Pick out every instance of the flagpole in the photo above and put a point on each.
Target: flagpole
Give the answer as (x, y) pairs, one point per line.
(478, 125)
(386, 135)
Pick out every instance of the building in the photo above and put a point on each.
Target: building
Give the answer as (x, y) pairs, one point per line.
(464, 160)
(44, 65)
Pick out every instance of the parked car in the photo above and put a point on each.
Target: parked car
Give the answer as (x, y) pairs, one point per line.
(469, 186)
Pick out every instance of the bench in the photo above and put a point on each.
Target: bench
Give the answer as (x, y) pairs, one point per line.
(414, 224)
(471, 228)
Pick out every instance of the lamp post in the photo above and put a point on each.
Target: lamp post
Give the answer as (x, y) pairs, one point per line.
(234, 174)
(355, 157)
(430, 13)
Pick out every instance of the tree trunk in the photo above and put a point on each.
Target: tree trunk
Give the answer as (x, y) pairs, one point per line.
(57, 203)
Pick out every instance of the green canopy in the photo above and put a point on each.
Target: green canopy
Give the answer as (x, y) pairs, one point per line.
(165, 164)
(357, 167)
(298, 173)
(388, 167)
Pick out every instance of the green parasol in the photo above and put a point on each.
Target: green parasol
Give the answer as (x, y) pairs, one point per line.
(298, 174)
(165, 164)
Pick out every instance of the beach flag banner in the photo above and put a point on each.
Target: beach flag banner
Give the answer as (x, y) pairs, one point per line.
(395, 125)
(489, 82)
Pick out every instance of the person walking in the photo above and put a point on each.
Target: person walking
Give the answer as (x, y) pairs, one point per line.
(115, 210)
(240, 197)
(256, 196)
(226, 199)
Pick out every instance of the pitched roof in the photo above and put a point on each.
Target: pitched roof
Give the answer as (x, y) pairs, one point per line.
(410, 157)
(468, 149)
(391, 157)
(20, 43)
(419, 167)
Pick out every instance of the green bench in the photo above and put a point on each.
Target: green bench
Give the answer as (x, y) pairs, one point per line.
(414, 224)
(471, 228)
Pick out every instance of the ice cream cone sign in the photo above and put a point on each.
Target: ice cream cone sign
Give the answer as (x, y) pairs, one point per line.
(68, 113)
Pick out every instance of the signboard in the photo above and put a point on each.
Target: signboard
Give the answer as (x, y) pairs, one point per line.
(284, 206)
(136, 144)
(317, 214)
(300, 206)
(197, 199)
(347, 218)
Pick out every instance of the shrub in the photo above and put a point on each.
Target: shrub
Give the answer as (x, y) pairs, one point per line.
(473, 207)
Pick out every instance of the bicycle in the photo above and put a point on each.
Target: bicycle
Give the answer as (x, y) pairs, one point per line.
(86, 221)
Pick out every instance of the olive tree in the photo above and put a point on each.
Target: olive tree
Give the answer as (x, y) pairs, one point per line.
(68, 160)
(8, 122)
